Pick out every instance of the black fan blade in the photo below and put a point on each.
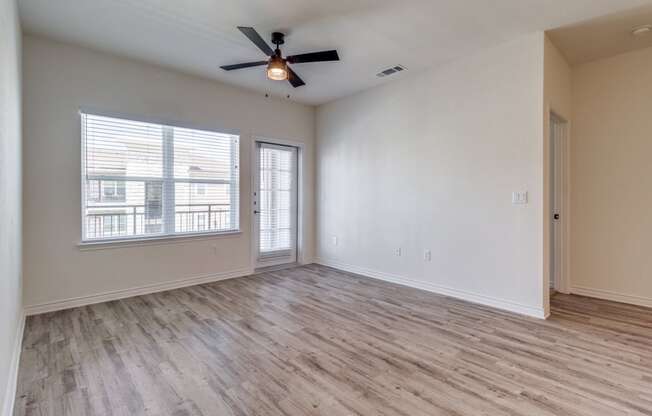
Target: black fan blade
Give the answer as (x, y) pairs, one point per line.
(314, 57)
(294, 79)
(243, 65)
(253, 36)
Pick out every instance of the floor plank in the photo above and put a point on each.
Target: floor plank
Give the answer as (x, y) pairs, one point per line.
(313, 340)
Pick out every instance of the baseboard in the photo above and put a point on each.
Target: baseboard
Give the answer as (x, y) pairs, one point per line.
(442, 290)
(613, 296)
(136, 291)
(12, 381)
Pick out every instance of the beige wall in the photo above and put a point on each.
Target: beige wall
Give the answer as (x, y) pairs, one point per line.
(557, 82)
(10, 202)
(430, 162)
(59, 79)
(611, 237)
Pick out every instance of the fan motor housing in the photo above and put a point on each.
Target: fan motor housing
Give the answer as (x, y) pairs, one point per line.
(278, 38)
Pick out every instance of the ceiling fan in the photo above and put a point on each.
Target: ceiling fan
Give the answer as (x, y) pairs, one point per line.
(277, 66)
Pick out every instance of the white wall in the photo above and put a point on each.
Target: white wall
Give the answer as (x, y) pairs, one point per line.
(557, 98)
(10, 202)
(430, 162)
(557, 82)
(611, 231)
(60, 78)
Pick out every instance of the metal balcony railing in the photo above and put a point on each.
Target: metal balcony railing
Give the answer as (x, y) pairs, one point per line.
(111, 221)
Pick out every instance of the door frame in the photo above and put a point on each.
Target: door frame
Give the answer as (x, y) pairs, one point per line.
(562, 283)
(300, 238)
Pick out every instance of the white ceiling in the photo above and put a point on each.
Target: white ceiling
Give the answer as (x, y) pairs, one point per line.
(604, 36)
(197, 36)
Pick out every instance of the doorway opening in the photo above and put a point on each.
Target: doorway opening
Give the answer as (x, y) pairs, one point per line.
(558, 201)
(275, 204)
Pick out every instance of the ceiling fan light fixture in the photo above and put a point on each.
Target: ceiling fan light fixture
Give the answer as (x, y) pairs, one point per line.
(277, 69)
(277, 66)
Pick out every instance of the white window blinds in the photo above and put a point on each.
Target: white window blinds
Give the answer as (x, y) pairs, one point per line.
(277, 199)
(143, 179)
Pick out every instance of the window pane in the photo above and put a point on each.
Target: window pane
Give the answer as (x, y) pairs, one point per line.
(203, 155)
(117, 147)
(210, 211)
(143, 179)
(125, 217)
(275, 199)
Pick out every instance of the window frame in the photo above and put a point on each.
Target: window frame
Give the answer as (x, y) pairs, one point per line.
(167, 178)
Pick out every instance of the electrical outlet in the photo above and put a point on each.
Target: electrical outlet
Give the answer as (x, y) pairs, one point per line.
(398, 252)
(427, 255)
(519, 197)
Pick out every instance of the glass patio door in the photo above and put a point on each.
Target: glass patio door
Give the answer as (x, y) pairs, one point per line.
(275, 204)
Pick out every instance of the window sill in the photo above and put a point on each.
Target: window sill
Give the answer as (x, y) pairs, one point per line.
(152, 241)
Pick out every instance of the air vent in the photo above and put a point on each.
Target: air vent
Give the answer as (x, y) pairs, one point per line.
(390, 71)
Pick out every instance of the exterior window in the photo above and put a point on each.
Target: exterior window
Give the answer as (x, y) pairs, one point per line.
(113, 191)
(198, 189)
(142, 180)
(105, 191)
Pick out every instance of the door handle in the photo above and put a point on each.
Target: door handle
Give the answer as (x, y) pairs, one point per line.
(556, 216)
(256, 212)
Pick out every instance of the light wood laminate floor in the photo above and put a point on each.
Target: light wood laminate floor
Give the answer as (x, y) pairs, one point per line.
(316, 341)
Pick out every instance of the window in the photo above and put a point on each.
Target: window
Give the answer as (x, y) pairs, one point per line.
(106, 191)
(113, 190)
(143, 180)
(199, 189)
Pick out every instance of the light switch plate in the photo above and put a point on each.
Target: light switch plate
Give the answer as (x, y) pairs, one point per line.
(519, 197)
